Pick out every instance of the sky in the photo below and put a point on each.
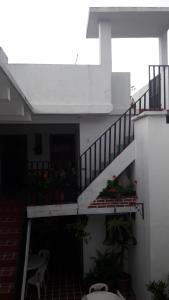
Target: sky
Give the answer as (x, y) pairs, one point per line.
(54, 32)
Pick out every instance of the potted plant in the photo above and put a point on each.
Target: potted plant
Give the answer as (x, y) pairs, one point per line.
(39, 182)
(120, 236)
(159, 289)
(114, 189)
(78, 228)
(104, 270)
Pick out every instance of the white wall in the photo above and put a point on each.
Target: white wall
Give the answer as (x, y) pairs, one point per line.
(120, 84)
(96, 227)
(11, 102)
(72, 88)
(64, 88)
(152, 173)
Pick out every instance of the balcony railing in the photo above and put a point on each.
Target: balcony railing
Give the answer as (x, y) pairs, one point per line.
(47, 185)
(158, 86)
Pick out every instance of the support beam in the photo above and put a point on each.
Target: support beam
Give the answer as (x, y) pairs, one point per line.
(163, 49)
(105, 46)
(26, 260)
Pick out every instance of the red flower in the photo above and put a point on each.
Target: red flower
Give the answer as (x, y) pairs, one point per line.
(113, 190)
(45, 175)
(135, 181)
(114, 177)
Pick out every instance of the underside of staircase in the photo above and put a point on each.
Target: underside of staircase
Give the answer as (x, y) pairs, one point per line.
(11, 227)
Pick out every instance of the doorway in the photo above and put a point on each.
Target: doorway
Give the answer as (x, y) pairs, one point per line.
(13, 162)
(64, 163)
(62, 150)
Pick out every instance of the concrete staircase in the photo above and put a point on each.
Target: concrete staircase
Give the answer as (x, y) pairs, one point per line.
(11, 220)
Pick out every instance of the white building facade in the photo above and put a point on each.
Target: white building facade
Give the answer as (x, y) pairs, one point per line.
(84, 102)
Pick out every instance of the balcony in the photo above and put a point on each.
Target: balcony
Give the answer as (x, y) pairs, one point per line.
(49, 186)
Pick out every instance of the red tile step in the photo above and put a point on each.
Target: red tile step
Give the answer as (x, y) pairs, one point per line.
(9, 245)
(6, 291)
(11, 212)
(8, 259)
(9, 236)
(11, 221)
(7, 274)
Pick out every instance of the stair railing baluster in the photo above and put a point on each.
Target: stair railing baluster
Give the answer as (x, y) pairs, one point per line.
(105, 148)
(114, 140)
(129, 130)
(159, 86)
(90, 164)
(95, 153)
(119, 134)
(144, 101)
(101, 149)
(80, 173)
(110, 144)
(85, 168)
(100, 155)
(154, 86)
(164, 79)
(124, 133)
(139, 107)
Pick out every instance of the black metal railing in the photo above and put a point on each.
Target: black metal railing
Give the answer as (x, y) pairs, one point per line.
(111, 143)
(47, 185)
(39, 165)
(158, 86)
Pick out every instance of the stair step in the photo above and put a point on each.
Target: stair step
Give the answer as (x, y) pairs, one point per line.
(7, 219)
(11, 216)
(10, 231)
(7, 274)
(8, 259)
(9, 236)
(6, 291)
(9, 245)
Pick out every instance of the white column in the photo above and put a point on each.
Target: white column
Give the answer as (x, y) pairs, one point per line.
(152, 173)
(163, 49)
(26, 260)
(105, 45)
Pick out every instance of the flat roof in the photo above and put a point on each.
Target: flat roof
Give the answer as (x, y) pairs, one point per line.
(129, 22)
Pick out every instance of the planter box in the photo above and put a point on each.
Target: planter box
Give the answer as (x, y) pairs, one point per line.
(113, 202)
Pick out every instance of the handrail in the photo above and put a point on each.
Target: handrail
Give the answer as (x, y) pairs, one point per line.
(115, 121)
(111, 142)
(158, 86)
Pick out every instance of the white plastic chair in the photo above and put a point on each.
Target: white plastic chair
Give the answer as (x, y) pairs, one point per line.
(45, 253)
(120, 295)
(98, 287)
(38, 279)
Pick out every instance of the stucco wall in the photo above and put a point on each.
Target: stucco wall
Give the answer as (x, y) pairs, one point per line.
(72, 88)
(96, 228)
(152, 173)
(120, 85)
(64, 88)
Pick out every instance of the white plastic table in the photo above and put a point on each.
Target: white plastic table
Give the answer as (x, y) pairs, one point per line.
(35, 262)
(101, 295)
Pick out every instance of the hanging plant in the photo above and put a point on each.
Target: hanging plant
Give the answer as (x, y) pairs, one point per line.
(78, 228)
